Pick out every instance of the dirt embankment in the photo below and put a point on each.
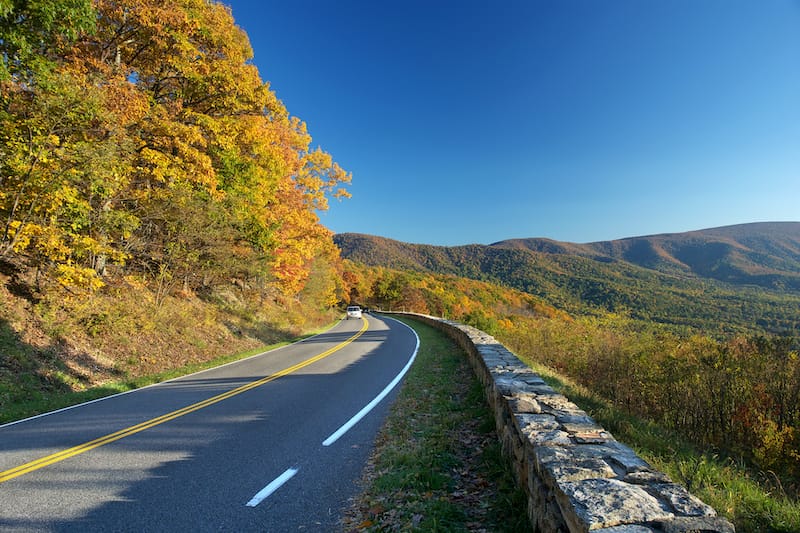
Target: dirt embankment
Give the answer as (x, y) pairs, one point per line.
(54, 341)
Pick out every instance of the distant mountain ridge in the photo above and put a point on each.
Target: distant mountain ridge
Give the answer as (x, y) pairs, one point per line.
(748, 273)
(766, 254)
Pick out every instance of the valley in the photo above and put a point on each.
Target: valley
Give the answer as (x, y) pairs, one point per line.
(742, 278)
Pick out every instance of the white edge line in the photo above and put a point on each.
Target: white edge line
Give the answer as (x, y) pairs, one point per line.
(272, 487)
(67, 408)
(371, 405)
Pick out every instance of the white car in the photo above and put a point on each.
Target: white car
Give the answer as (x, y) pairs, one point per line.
(353, 311)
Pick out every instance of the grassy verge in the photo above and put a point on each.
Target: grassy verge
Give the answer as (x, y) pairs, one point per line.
(754, 502)
(32, 400)
(437, 464)
(59, 347)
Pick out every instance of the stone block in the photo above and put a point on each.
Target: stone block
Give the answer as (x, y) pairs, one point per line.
(680, 500)
(627, 528)
(575, 424)
(566, 463)
(646, 477)
(577, 419)
(519, 370)
(543, 456)
(533, 379)
(626, 459)
(508, 386)
(699, 524)
(533, 422)
(601, 503)
(592, 437)
(560, 405)
(542, 392)
(524, 403)
(494, 362)
(579, 470)
(553, 437)
(541, 430)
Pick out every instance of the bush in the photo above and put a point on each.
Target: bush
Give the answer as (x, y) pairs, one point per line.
(738, 395)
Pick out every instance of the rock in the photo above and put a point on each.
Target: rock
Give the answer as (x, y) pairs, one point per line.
(598, 503)
(565, 463)
(592, 437)
(524, 403)
(579, 470)
(704, 524)
(559, 405)
(628, 528)
(645, 477)
(554, 437)
(680, 500)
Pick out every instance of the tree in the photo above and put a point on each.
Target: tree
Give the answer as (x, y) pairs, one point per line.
(152, 140)
(34, 34)
(64, 160)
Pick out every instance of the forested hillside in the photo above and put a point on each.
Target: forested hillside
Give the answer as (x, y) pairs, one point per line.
(742, 278)
(765, 254)
(137, 138)
(158, 203)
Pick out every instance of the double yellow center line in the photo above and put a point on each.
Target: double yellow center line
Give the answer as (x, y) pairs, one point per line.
(85, 447)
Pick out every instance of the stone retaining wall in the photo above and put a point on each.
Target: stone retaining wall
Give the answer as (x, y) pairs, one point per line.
(577, 477)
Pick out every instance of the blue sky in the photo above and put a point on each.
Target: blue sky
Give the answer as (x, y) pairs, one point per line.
(477, 121)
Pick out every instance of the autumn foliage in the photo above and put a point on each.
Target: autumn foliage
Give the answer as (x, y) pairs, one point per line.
(738, 395)
(136, 136)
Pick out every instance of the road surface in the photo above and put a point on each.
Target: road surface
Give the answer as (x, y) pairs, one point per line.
(275, 442)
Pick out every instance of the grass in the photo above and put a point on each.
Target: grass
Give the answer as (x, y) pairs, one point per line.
(59, 348)
(437, 465)
(751, 500)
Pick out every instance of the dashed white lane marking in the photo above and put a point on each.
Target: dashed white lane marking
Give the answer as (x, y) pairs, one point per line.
(272, 487)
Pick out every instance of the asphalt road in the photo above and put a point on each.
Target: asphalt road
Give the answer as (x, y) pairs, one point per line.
(256, 445)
